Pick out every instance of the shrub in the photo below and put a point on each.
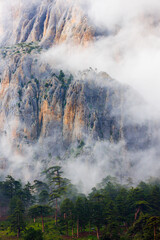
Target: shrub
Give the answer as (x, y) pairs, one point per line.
(32, 234)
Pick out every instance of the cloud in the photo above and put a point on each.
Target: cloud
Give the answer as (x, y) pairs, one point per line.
(108, 14)
(127, 47)
(103, 158)
(130, 49)
(96, 161)
(131, 52)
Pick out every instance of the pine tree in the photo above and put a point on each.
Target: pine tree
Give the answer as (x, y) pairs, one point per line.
(67, 212)
(97, 209)
(17, 218)
(58, 186)
(39, 211)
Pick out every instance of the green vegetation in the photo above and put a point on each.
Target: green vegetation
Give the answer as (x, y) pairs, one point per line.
(17, 222)
(20, 48)
(55, 210)
(65, 82)
(20, 94)
(31, 233)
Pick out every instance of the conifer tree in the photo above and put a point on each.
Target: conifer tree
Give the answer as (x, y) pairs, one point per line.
(58, 186)
(39, 211)
(17, 218)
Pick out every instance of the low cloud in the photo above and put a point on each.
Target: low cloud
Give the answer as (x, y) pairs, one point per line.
(103, 158)
(127, 47)
(128, 52)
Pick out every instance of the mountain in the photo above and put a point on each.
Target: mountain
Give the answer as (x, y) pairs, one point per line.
(45, 112)
(47, 21)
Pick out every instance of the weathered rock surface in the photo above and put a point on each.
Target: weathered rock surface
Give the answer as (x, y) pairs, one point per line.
(41, 107)
(48, 21)
(37, 103)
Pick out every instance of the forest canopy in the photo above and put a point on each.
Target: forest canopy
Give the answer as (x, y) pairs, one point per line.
(55, 209)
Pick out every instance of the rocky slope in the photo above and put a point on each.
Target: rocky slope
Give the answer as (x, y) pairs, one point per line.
(49, 111)
(48, 21)
(40, 102)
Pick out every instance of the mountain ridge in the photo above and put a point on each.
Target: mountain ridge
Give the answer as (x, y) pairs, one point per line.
(49, 22)
(44, 112)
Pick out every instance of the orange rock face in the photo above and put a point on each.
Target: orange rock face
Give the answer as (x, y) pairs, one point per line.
(5, 83)
(50, 23)
(47, 115)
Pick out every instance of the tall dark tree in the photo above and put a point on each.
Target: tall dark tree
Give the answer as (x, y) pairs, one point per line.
(39, 211)
(58, 186)
(154, 200)
(28, 198)
(11, 187)
(67, 212)
(81, 213)
(134, 195)
(61, 76)
(97, 209)
(121, 204)
(39, 186)
(17, 218)
(43, 197)
(154, 223)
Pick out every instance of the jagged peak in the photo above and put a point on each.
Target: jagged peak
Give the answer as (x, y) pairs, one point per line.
(47, 21)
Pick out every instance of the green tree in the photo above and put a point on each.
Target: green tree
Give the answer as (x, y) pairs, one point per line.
(140, 230)
(32, 234)
(43, 197)
(121, 203)
(17, 222)
(39, 186)
(39, 211)
(111, 218)
(28, 198)
(97, 209)
(141, 206)
(58, 186)
(134, 195)
(154, 222)
(81, 213)
(67, 214)
(12, 187)
(61, 76)
(154, 200)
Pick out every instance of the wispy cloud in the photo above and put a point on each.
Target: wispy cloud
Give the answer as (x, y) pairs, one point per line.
(130, 49)
(127, 47)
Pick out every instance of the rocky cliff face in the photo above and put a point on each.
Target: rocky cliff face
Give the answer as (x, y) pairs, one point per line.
(48, 21)
(42, 103)
(40, 106)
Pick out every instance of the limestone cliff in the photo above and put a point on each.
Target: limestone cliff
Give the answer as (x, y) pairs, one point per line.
(38, 103)
(44, 112)
(48, 21)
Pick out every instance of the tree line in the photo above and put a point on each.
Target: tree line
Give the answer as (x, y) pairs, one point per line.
(111, 211)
